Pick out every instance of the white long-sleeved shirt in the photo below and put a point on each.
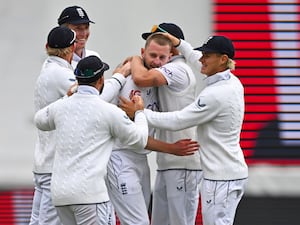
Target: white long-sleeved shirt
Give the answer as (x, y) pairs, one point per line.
(112, 88)
(149, 95)
(86, 128)
(55, 79)
(191, 55)
(85, 53)
(180, 92)
(218, 113)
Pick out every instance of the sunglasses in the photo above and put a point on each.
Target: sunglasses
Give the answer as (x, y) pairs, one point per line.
(157, 28)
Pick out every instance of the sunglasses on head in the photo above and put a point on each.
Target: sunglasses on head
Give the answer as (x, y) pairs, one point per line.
(157, 28)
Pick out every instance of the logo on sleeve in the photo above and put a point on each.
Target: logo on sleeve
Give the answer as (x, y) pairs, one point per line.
(167, 71)
(201, 104)
(124, 189)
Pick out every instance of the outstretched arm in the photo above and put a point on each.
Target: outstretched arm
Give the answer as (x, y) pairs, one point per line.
(175, 41)
(186, 49)
(181, 147)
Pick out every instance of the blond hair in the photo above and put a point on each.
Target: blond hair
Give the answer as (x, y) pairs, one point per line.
(231, 64)
(60, 52)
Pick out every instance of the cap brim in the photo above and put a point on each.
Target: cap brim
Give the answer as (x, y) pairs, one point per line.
(106, 66)
(198, 49)
(81, 21)
(146, 35)
(204, 49)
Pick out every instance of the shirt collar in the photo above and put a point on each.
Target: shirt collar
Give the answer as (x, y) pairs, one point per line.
(77, 58)
(224, 75)
(87, 90)
(175, 57)
(60, 61)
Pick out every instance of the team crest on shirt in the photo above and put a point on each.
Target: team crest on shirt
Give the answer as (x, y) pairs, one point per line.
(134, 92)
(124, 188)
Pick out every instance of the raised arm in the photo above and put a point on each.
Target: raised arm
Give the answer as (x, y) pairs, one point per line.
(186, 49)
(113, 85)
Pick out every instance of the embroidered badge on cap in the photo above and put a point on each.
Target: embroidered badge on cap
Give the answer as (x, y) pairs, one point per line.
(80, 12)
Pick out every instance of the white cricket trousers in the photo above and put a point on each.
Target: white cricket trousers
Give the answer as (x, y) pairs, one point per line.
(87, 214)
(128, 185)
(219, 200)
(176, 197)
(43, 212)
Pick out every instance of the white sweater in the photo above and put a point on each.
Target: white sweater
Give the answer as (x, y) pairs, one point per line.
(55, 79)
(86, 128)
(218, 112)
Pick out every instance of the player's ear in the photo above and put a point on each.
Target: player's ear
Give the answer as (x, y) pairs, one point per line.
(73, 46)
(224, 59)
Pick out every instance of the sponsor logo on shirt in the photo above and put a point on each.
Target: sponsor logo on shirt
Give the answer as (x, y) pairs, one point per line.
(167, 71)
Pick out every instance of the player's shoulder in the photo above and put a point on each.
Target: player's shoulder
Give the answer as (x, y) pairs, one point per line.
(109, 108)
(113, 114)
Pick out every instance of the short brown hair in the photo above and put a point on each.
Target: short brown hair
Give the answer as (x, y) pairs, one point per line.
(160, 39)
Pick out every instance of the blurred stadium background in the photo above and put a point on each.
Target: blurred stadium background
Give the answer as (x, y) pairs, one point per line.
(267, 40)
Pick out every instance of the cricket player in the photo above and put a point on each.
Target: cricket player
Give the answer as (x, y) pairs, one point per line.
(86, 128)
(128, 170)
(218, 112)
(176, 188)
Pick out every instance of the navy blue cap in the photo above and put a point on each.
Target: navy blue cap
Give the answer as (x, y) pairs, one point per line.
(61, 37)
(90, 69)
(166, 28)
(73, 15)
(218, 44)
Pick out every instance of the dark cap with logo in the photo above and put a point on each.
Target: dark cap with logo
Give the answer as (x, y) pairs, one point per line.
(167, 28)
(73, 15)
(90, 69)
(218, 44)
(61, 37)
